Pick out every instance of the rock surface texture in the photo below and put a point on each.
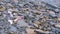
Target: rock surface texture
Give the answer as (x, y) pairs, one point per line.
(29, 16)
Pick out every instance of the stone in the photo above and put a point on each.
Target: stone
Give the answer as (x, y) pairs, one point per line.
(56, 10)
(48, 28)
(10, 5)
(11, 21)
(37, 22)
(30, 31)
(7, 0)
(42, 32)
(21, 5)
(58, 19)
(57, 25)
(36, 25)
(21, 22)
(52, 14)
(26, 16)
(2, 8)
(12, 29)
(11, 33)
(36, 12)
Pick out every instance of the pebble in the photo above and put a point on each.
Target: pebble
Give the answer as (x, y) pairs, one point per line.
(2, 8)
(36, 25)
(11, 33)
(10, 5)
(22, 23)
(21, 5)
(57, 25)
(58, 19)
(30, 31)
(37, 22)
(12, 29)
(28, 17)
(2, 3)
(56, 10)
(8, 1)
(11, 21)
(43, 32)
(36, 12)
(52, 14)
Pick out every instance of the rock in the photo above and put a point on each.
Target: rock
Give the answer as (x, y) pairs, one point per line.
(37, 22)
(36, 25)
(15, 1)
(39, 32)
(18, 18)
(57, 25)
(10, 5)
(12, 29)
(2, 8)
(43, 9)
(56, 10)
(36, 12)
(52, 14)
(48, 28)
(11, 21)
(21, 16)
(11, 33)
(52, 2)
(58, 19)
(42, 32)
(2, 3)
(21, 22)
(58, 15)
(7, 0)
(43, 4)
(21, 5)
(30, 31)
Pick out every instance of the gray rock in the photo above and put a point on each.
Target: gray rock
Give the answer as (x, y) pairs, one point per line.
(12, 29)
(53, 2)
(57, 10)
(52, 14)
(7, 0)
(22, 23)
